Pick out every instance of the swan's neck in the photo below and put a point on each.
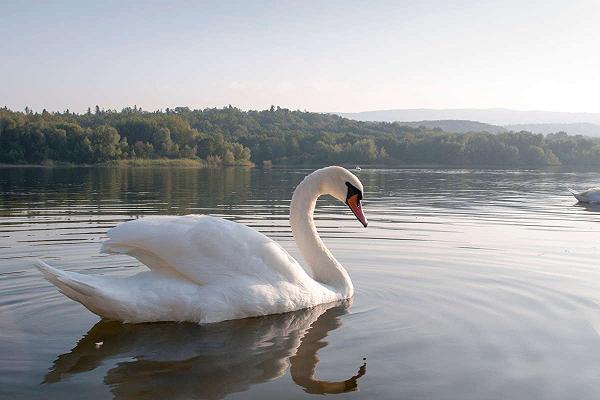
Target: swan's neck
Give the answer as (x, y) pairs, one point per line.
(325, 268)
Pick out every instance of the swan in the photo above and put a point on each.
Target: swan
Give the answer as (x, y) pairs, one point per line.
(591, 195)
(205, 269)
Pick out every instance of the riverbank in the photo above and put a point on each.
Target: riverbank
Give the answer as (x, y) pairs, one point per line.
(135, 162)
(160, 162)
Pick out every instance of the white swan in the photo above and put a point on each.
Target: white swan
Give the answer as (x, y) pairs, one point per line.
(205, 269)
(591, 195)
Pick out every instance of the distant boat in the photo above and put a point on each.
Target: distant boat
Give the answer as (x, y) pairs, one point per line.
(358, 168)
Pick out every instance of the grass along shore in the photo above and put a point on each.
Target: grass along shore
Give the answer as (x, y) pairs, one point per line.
(136, 162)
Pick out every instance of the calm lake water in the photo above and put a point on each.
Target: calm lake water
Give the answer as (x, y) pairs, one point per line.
(470, 284)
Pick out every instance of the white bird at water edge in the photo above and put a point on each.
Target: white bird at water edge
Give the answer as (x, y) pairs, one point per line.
(591, 195)
(206, 269)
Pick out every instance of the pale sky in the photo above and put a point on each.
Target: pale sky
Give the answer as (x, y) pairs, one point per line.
(319, 56)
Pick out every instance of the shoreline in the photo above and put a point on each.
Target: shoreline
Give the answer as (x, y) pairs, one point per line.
(201, 164)
(137, 163)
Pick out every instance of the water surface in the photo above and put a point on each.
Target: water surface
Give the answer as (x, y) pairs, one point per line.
(470, 284)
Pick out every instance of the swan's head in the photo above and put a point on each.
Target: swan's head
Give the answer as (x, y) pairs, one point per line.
(344, 186)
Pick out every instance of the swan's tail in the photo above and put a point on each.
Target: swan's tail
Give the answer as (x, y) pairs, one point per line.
(81, 288)
(71, 284)
(574, 193)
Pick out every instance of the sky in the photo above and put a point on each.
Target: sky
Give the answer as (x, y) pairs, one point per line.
(343, 56)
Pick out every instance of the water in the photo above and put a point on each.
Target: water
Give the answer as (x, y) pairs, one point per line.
(470, 284)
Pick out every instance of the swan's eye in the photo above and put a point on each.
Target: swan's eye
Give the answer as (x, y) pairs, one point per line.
(353, 191)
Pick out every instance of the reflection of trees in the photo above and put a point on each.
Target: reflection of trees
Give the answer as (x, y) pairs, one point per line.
(131, 191)
(177, 361)
(236, 192)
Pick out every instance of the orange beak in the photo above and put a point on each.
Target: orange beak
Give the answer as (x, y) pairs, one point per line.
(354, 204)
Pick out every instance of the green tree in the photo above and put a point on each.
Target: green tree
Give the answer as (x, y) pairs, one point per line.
(106, 143)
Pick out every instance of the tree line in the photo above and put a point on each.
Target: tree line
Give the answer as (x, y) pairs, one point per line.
(230, 136)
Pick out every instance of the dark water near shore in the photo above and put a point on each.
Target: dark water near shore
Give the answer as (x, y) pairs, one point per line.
(470, 284)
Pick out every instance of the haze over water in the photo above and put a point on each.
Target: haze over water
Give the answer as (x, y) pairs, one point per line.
(469, 284)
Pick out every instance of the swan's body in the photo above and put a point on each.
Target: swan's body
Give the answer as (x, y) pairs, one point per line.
(591, 195)
(206, 269)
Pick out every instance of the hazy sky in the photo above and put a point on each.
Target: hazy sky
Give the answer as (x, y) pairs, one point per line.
(319, 56)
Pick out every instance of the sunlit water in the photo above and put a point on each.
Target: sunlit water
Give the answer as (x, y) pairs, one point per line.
(470, 284)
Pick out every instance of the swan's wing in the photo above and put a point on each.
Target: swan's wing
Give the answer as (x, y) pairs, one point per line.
(203, 249)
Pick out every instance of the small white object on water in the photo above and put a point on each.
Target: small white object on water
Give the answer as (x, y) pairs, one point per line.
(99, 344)
(591, 195)
(358, 168)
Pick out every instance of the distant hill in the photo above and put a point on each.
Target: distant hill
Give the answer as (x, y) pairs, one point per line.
(455, 126)
(462, 126)
(582, 128)
(495, 116)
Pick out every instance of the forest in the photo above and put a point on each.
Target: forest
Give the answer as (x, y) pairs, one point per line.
(276, 136)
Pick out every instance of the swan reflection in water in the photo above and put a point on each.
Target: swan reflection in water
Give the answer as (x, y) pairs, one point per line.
(183, 360)
(591, 207)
